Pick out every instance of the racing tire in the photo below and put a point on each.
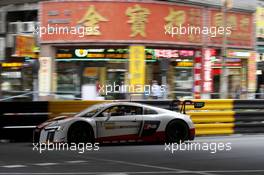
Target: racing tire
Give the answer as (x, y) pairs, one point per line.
(177, 131)
(80, 133)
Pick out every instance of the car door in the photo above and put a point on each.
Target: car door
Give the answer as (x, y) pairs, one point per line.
(120, 122)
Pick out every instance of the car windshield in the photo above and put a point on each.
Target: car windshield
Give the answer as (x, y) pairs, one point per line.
(90, 111)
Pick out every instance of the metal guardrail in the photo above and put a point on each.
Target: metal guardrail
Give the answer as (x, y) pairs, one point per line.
(18, 119)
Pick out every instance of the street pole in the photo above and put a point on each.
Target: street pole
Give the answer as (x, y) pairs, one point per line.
(224, 75)
(1, 81)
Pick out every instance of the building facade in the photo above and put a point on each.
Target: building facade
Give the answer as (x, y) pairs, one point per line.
(86, 44)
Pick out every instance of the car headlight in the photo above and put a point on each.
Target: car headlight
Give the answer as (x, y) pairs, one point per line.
(54, 128)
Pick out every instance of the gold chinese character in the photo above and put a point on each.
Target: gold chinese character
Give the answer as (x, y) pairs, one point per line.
(244, 24)
(137, 18)
(90, 21)
(218, 18)
(232, 21)
(175, 18)
(194, 17)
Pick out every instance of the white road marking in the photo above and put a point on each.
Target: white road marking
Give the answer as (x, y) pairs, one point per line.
(102, 173)
(139, 172)
(112, 174)
(152, 166)
(76, 161)
(233, 171)
(13, 166)
(45, 164)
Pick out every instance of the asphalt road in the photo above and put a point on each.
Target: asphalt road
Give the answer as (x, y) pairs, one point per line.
(246, 157)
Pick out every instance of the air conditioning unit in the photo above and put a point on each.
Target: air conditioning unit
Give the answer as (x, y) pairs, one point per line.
(2, 48)
(2, 28)
(2, 22)
(15, 27)
(28, 27)
(10, 40)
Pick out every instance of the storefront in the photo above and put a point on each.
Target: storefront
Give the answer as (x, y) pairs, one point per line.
(260, 49)
(102, 56)
(239, 56)
(237, 68)
(179, 72)
(82, 60)
(83, 69)
(20, 70)
(16, 79)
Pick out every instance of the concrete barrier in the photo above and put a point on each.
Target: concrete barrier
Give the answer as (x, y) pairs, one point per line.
(227, 116)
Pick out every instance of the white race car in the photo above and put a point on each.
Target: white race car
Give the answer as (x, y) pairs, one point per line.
(118, 122)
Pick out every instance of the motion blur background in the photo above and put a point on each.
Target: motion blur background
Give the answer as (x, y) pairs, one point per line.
(60, 66)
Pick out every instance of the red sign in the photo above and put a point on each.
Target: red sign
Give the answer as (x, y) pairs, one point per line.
(227, 64)
(207, 81)
(164, 53)
(115, 21)
(197, 75)
(241, 28)
(252, 66)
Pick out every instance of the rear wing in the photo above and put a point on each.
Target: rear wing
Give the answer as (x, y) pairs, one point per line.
(181, 105)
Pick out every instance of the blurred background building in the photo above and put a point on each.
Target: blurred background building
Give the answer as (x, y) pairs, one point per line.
(73, 67)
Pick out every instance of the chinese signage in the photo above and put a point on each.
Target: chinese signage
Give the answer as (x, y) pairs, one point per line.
(137, 18)
(98, 53)
(207, 81)
(179, 21)
(139, 22)
(91, 21)
(164, 53)
(197, 75)
(112, 21)
(25, 46)
(252, 72)
(45, 76)
(137, 66)
(235, 53)
(241, 28)
(260, 22)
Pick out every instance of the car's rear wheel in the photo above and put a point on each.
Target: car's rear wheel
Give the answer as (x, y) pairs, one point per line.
(177, 131)
(80, 133)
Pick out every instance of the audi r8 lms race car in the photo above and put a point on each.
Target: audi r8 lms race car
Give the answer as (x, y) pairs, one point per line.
(118, 122)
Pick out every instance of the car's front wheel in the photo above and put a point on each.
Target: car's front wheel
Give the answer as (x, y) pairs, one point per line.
(80, 133)
(177, 131)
